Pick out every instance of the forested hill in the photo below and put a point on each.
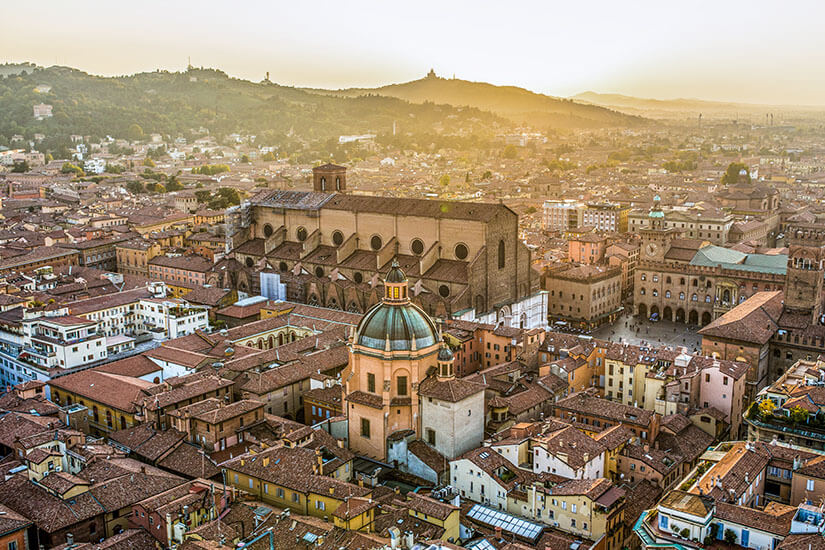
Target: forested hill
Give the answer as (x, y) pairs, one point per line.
(175, 103)
(517, 104)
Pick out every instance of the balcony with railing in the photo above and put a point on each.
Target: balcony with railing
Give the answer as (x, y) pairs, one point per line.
(812, 428)
(651, 537)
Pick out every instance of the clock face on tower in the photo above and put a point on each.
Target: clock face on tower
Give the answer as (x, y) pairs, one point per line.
(652, 249)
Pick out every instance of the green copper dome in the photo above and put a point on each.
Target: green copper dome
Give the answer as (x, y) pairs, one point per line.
(401, 323)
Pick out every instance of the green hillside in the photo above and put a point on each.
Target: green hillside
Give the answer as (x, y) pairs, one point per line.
(175, 103)
(517, 104)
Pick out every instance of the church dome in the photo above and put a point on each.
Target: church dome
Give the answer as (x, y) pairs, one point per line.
(396, 319)
(400, 323)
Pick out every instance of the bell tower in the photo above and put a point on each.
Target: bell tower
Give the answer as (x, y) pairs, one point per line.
(329, 178)
(805, 272)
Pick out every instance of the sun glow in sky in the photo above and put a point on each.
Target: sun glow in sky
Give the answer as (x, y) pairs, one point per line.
(756, 51)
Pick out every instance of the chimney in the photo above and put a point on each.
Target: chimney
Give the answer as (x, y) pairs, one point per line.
(69, 539)
(498, 532)
(332, 490)
(266, 461)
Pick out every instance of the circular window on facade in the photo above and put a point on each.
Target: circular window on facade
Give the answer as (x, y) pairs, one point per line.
(358, 277)
(301, 234)
(444, 291)
(282, 266)
(249, 262)
(337, 238)
(417, 246)
(268, 230)
(461, 251)
(319, 271)
(376, 242)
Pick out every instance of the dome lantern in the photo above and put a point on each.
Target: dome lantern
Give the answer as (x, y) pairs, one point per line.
(396, 324)
(395, 285)
(446, 363)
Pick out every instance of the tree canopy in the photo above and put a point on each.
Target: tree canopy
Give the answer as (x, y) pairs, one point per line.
(734, 174)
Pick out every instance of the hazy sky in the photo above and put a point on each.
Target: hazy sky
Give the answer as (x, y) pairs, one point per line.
(758, 51)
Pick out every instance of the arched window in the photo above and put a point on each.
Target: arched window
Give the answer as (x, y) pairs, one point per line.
(501, 252)
(109, 418)
(95, 413)
(271, 341)
(122, 422)
(667, 294)
(281, 339)
(337, 183)
(323, 183)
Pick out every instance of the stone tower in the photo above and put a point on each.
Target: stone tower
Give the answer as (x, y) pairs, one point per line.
(329, 178)
(656, 239)
(806, 269)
